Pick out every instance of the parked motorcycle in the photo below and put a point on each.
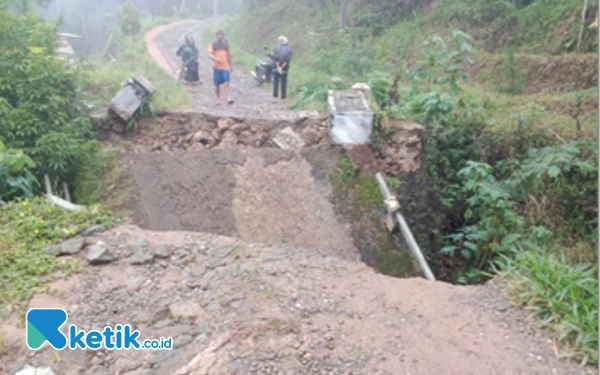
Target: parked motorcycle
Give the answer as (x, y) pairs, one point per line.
(264, 69)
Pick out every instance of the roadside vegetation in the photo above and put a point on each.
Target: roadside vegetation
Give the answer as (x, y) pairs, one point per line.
(26, 228)
(125, 56)
(511, 153)
(45, 129)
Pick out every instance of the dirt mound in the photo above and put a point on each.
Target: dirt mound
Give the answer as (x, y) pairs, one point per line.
(267, 195)
(238, 308)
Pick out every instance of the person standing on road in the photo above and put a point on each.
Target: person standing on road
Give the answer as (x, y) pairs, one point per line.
(218, 51)
(282, 56)
(192, 64)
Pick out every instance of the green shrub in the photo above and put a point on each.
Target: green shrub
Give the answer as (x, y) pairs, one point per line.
(563, 297)
(16, 179)
(129, 20)
(104, 79)
(513, 77)
(40, 112)
(26, 227)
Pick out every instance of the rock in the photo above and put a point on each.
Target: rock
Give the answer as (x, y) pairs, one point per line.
(28, 370)
(238, 128)
(216, 136)
(183, 340)
(162, 253)
(311, 136)
(260, 139)
(196, 147)
(119, 127)
(229, 140)
(245, 138)
(141, 257)
(288, 139)
(53, 249)
(100, 254)
(141, 244)
(125, 365)
(185, 310)
(201, 136)
(225, 124)
(72, 246)
(93, 230)
(69, 247)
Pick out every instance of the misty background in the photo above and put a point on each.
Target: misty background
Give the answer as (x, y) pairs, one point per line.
(93, 20)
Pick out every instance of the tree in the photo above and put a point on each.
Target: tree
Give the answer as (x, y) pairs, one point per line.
(343, 13)
(40, 113)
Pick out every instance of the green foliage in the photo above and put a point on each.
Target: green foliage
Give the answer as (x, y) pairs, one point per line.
(40, 112)
(129, 20)
(577, 111)
(104, 78)
(16, 179)
(26, 227)
(563, 297)
(444, 61)
(95, 176)
(380, 83)
(513, 78)
(348, 171)
(531, 25)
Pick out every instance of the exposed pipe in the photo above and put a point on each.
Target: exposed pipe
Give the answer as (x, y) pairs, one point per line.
(408, 236)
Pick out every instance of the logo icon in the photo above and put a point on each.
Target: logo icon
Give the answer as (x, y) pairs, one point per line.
(44, 325)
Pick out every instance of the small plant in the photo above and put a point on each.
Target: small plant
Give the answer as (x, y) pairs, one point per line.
(513, 77)
(16, 178)
(348, 171)
(578, 109)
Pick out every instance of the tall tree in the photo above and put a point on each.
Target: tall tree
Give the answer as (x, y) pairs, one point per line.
(343, 14)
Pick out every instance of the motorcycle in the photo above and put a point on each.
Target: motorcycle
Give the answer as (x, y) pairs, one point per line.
(264, 69)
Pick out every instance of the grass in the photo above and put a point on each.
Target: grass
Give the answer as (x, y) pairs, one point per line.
(563, 298)
(26, 227)
(131, 59)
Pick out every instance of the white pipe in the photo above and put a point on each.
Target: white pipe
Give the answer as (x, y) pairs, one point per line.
(408, 236)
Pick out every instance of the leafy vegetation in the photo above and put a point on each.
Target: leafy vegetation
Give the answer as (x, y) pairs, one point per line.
(16, 178)
(41, 113)
(505, 172)
(26, 228)
(562, 296)
(126, 56)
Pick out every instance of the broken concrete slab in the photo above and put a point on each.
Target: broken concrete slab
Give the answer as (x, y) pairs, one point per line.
(287, 139)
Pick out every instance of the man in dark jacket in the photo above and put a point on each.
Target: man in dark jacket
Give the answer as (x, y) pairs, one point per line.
(282, 56)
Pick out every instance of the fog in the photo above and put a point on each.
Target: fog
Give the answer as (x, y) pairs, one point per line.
(94, 19)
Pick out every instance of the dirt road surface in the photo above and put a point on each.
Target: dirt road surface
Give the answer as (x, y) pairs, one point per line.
(250, 101)
(245, 265)
(235, 307)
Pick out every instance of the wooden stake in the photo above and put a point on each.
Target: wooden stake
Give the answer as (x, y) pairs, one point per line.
(66, 189)
(48, 185)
